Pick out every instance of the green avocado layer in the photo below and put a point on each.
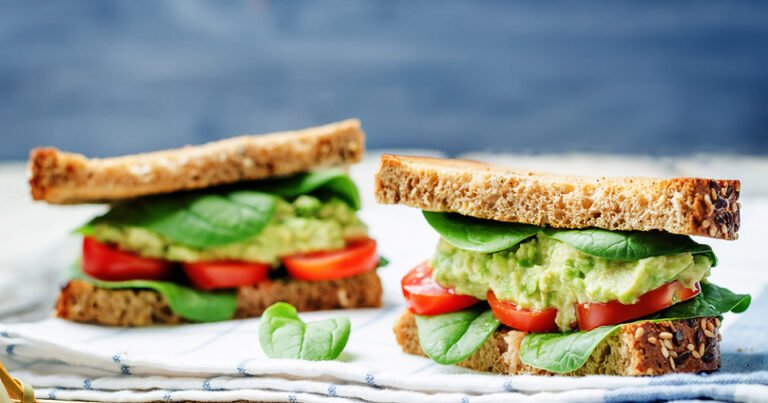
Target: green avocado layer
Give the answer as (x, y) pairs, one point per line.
(543, 272)
(306, 224)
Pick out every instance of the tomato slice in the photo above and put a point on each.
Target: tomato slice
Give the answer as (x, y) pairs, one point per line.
(225, 274)
(108, 263)
(592, 315)
(426, 297)
(522, 319)
(357, 258)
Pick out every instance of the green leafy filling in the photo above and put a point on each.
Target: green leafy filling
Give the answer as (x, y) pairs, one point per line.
(488, 236)
(226, 215)
(282, 334)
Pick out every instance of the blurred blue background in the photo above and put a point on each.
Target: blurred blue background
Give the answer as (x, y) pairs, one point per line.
(652, 77)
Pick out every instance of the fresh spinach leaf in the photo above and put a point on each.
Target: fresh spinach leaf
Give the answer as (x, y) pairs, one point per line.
(196, 219)
(567, 352)
(190, 304)
(331, 181)
(283, 335)
(452, 337)
(628, 245)
(477, 235)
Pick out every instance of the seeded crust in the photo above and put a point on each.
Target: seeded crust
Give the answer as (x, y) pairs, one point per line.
(635, 349)
(80, 301)
(67, 178)
(688, 206)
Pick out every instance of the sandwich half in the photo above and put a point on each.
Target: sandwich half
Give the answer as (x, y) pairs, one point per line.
(217, 231)
(550, 274)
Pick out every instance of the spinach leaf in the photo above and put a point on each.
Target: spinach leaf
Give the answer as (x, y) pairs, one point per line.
(196, 219)
(628, 245)
(452, 337)
(331, 181)
(190, 304)
(477, 235)
(283, 335)
(567, 352)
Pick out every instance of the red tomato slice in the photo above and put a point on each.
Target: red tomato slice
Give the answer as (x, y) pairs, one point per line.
(522, 319)
(108, 263)
(357, 258)
(592, 315)
(225, 274)
(426, 297)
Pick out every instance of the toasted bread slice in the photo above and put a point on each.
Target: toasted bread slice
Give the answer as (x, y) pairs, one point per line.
(688, 206)
(81, 301)
(66, 178)
(635, 349)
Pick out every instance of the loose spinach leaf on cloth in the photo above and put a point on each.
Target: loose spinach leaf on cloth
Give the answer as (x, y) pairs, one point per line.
(477, 235)
(567, 352)
(283, 335)
(190, 304)
(628, 245)
(198, 219)
(452, 337)
(331, 181)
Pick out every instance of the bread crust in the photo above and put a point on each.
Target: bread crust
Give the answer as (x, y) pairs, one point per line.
(687, 206)
(635, 349)
(81, 301)
(66, 178)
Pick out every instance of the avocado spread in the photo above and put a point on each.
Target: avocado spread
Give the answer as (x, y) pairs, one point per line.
(306, 224)
(543, 272)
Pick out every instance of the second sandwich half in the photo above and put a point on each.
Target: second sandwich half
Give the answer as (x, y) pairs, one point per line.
(217, 231)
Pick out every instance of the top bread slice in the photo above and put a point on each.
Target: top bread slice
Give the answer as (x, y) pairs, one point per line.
(67, 178)
(687, 206)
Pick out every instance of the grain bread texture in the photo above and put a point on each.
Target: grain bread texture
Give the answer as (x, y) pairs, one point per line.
(66, 178)
(644, 348)
(688, 206)
(81, 301)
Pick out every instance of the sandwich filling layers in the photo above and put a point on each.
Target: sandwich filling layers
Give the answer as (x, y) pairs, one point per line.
(543, 272)
(305, 224)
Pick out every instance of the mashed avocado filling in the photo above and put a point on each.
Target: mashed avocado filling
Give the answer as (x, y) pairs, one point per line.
(305, 224)
(543, 272)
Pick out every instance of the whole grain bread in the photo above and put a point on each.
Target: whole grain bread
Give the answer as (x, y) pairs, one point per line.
(688, 206)
(66, 178)
(81, 301)
(635, 349)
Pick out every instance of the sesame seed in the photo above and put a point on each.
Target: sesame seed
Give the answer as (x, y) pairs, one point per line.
(672, 354)
(711, 327)
(712, 231)
(668, 344)
(701, 349)
(690, 347)
(705, 224)
(717, 322)
(665, 335)
(724, 229)
(696, 354)
(713, 193)
(652, 340)
(672, 363)
(708, 333)
(664, 352)
(703, 323)
(639, 332)
(723, 190)
(735, 207)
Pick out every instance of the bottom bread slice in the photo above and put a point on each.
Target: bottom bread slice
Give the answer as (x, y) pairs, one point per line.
(643, 348)
(81, 301)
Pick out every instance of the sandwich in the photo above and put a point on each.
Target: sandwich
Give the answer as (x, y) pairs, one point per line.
(539, 273)
(217, 231)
